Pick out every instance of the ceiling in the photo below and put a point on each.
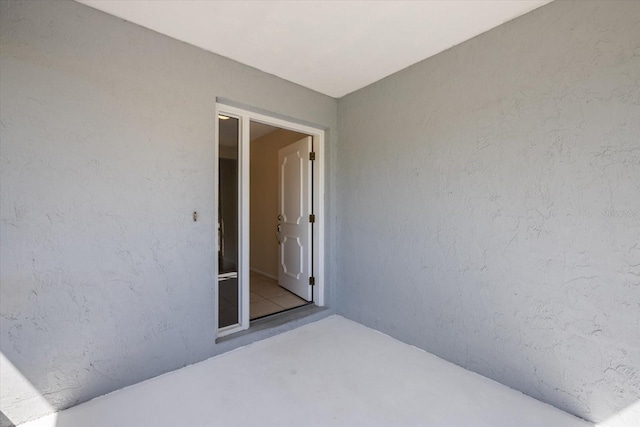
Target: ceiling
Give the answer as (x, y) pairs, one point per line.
(333, 47)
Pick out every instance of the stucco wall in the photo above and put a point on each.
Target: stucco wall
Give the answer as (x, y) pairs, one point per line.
(107, 149)
(489, 202)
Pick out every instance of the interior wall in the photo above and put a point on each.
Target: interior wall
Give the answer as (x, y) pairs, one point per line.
(489, 206)
(107, 149)
(263, 216)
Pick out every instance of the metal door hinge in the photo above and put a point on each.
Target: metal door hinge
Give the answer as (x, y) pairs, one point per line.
(312, 156)
(312, 280)
(312, 218)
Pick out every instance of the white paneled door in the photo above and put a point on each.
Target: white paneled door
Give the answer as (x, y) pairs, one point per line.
(294, 227)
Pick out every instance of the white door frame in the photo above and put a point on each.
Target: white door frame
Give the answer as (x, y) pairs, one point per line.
(245, 117)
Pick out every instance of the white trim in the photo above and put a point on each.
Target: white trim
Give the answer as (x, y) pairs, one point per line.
(228, 330)
(243, 222)
(242, 325)
(245, 117)
(216, 236)
(320, 212)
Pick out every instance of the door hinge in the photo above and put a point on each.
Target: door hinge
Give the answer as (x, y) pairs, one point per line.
(312, 281)
(312, 218)
(312, 156)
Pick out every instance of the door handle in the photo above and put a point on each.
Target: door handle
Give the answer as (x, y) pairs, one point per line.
(279, 230)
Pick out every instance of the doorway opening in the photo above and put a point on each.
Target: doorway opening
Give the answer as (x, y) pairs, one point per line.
(270, 233)
(273, 286)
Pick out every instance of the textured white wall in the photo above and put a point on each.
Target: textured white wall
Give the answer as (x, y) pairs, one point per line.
(489, 206)
(107, 148)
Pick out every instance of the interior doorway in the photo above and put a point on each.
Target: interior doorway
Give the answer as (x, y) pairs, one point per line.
(270, 235)
(274, 283)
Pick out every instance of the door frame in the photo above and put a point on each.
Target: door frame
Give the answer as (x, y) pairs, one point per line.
(317, 186)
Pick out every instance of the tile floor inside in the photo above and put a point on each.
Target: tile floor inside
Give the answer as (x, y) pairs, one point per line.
(267, 297)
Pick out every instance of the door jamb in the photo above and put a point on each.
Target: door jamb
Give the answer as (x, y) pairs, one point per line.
(318, 138)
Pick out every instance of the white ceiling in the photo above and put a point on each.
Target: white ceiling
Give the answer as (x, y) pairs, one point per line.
(333, 47)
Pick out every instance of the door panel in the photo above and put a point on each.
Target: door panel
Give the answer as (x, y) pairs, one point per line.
(292, 250)
(291, 177)
(294, 201)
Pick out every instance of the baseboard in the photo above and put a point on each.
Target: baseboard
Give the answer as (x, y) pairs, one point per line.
(270, 276)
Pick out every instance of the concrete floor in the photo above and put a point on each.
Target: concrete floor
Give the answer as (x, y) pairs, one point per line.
(330, 373)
